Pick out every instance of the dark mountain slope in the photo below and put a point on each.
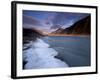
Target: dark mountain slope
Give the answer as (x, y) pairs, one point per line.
(80, 27)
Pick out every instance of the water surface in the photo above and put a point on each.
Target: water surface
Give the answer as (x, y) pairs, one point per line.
(74, 50)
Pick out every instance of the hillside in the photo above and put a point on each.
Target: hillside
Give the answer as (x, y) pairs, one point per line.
(81, 27)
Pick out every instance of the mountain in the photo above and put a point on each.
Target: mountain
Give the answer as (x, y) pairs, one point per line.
(31, 35)
(81, 27)
(59, 30)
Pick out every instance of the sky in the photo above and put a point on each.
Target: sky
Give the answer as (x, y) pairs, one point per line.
(48, 21)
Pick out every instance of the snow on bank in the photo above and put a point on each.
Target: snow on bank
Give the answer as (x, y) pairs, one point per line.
(40, 55)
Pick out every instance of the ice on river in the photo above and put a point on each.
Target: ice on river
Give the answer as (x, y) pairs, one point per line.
(40, 55)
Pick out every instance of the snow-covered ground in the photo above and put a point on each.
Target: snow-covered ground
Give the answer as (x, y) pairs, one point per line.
(40, 55)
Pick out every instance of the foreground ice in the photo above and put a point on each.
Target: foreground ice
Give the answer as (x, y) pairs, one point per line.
(40, 55)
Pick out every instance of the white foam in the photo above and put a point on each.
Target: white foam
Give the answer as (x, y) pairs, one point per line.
(40, 44)
(41, 56)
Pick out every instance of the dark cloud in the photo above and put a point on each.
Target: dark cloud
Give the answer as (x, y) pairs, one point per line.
(62, 18)
(56, 26)
(48, 20)
(30, 20)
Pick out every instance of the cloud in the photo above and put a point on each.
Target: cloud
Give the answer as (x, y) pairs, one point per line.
(68, 24)
(56, 26)
(32, 23)
(63, 18)
(30, 20)
(52, 21)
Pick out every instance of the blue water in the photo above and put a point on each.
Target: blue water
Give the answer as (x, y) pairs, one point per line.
(73, 50)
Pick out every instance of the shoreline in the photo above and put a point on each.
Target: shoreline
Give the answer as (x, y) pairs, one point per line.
(68, 35)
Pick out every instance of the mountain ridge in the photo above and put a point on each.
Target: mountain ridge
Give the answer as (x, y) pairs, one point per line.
(81, 27)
